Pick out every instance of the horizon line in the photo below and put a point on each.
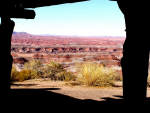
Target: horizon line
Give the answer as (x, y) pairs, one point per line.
(112, 36)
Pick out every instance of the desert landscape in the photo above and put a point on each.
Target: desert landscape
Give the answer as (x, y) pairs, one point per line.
(69, 52)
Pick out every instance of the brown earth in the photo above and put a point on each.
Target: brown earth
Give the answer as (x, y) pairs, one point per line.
(78, 92)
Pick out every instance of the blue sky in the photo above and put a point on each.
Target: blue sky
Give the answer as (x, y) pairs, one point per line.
(92, 18)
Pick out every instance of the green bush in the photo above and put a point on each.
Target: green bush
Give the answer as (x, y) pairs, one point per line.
(92, 74)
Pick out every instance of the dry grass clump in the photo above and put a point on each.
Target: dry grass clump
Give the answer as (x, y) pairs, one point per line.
(92, 74)
(22, 75)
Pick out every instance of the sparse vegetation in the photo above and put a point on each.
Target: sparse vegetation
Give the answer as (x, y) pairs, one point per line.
(52, 69)
(22, 75)
(34, 69)
(56, 71)
(66, 76)
(92, 74)
(14, 74)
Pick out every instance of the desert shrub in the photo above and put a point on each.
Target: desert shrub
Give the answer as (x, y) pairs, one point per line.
(56, 71)
(31, 70)
(92, 74)
(36, 68)
(56, 66)
(52, 69)
(22, 75)
(14, 74)
(33, 65)
(65, 76)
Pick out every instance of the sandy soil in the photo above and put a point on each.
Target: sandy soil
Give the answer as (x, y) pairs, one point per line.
(79, 92)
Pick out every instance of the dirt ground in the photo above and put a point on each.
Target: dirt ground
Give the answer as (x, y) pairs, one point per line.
(79, 92)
